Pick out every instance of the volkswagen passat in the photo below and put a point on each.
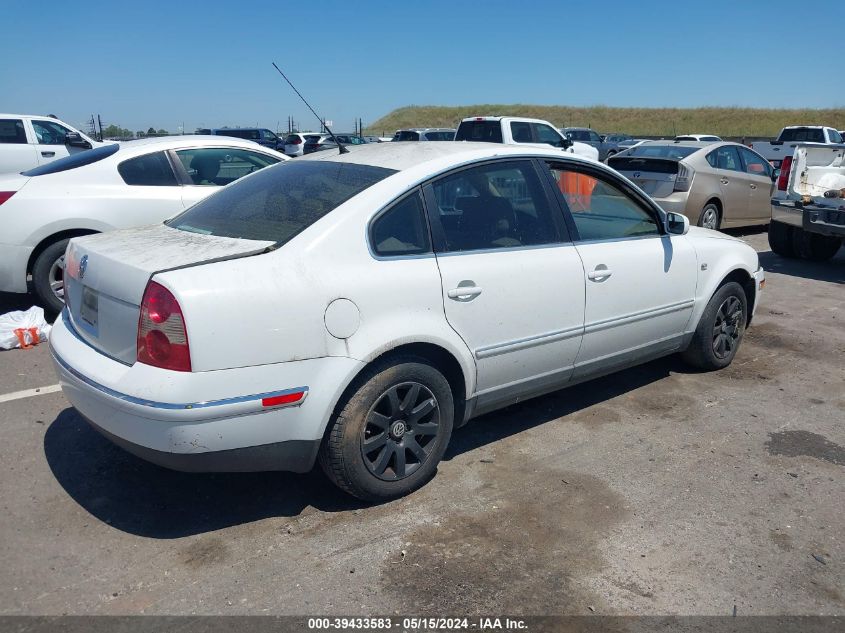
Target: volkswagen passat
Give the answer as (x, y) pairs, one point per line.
(355, 308)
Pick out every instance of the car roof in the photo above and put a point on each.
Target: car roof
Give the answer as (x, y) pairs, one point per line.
(20, 116)
(579, 128)
(189, 140)
(402, 156)
(501, 118)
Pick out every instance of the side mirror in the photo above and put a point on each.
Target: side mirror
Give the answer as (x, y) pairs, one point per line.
(602, 138)
(74, 139)
(677, 224)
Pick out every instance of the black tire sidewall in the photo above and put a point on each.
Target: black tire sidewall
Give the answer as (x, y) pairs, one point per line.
(345, 457)
(701, 352)
(780, 239)
(41, 275)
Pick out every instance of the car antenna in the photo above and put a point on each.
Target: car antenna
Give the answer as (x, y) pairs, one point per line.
(340, 146)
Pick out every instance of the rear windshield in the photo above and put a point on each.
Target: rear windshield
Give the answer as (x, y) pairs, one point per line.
(654, 165)
(676, 152)
(74, 160)
(279, 202)
(406, 135)
(482, 131)
(802, 134)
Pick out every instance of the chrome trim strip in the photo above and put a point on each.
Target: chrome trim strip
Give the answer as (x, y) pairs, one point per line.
(606, 324)
(530, 341)
(187, 406)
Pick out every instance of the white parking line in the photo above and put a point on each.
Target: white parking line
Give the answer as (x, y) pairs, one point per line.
(28, 393)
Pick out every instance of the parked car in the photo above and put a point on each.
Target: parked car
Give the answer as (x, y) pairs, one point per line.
(262, 136)
(317, 142)
(295, 142)
(108, 187)
(710, 138)
(589, 137)
(790, 136)
(426, 134)
(29, 140)
(716, 185)
(520, 131)
(808, 208)
(355, 308)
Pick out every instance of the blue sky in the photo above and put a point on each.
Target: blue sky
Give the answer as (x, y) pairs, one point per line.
(208, 63)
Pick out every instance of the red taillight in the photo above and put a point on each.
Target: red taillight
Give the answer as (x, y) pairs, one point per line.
(5, 195)
(783, 177)
(162, 337)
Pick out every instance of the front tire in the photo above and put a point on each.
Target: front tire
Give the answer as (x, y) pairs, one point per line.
(48, 276)
(711, 217)
(780, 239)
(391, 432)
(720, 329)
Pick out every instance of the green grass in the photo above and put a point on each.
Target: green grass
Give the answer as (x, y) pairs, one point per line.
(735, 122)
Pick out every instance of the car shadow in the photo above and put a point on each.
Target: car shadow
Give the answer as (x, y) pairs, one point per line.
(147, 500)
(832, 270)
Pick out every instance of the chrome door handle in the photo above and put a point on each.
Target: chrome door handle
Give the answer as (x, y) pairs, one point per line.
(464, 293)
(599, 274)
(724, 181)
(48, 154)
(753, 186)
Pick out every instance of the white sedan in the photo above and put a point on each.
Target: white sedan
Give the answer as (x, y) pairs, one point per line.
(357, 307)
(109, 187)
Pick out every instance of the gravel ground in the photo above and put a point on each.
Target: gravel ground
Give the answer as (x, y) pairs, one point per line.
(657, 490)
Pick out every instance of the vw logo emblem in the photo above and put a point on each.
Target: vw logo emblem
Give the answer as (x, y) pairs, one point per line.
(636, 174)
(83, 265)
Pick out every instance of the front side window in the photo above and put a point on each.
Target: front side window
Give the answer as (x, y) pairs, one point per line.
(725, 157)
(754, 164)
(595, 138)
(150, 170)
(220, 166)
(401, 230)
(601, 210)
(835, 137)
(279, 203)
(547, 134)
(500, 205)
(50, 132)
(579, 135)
(12, 131)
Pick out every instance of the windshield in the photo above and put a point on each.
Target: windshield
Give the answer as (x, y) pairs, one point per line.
(676, 152)
(279, 202)
(74, 160)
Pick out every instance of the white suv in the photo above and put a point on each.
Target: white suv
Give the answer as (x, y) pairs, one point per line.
(29, 140)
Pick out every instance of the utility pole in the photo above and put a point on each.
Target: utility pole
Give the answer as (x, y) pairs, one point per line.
(101, 127)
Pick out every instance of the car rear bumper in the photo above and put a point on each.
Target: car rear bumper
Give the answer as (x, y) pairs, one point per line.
(13, 260)
(220, 420)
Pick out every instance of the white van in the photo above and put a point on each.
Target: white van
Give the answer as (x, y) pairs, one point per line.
(28, 140)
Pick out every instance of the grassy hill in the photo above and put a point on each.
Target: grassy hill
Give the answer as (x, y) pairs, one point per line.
(751, 122)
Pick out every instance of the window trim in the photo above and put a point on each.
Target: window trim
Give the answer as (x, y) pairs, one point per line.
(645, 203)
(438, 233)
(371, 245)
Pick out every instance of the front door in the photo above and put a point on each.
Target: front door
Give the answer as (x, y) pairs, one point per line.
(513, 284)
(760, 184)
(734, 185)
(51, 137)
(640, 282)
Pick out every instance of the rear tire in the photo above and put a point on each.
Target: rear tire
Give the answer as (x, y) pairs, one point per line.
(780, 239)
(391, 432)
(720, 329)
(815, 247)
(711, 217)
(48, 276)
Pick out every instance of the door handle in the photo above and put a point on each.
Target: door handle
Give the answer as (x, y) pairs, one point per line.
(48, 154)
(464, 293)
(599, 274)
(753, 186)
(724, 181)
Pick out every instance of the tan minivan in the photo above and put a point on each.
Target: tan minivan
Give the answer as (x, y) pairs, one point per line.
(716, 185)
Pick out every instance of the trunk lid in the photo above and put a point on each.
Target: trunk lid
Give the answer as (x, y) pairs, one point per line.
(655, 176)
(106, 275)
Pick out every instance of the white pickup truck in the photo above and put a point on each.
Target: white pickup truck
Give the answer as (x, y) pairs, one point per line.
(29, 140)
(790, 136)
(520, 131)
(808, 210)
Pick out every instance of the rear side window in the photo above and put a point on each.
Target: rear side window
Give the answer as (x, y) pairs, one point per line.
(73, 161)
(280, 202)
(521, 131)
(150, 170)
(440, 136)
(479, 131)
(11, 131)
(500, 205)
(401, 230)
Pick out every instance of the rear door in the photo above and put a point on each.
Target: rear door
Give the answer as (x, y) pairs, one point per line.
(734, 183)
(16, 153)
(640, 282)
(513, 284)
